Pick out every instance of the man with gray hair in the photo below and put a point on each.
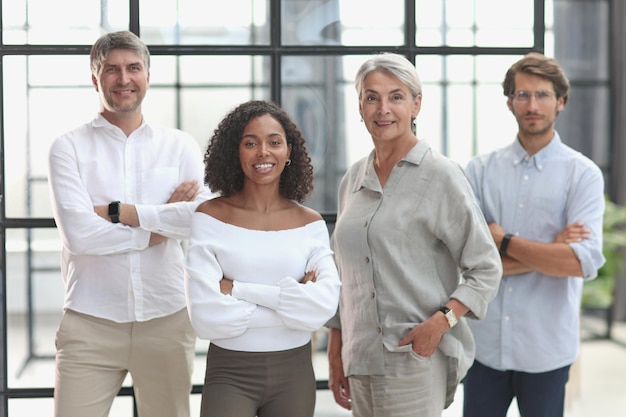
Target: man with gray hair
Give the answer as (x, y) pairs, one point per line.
(123, 193)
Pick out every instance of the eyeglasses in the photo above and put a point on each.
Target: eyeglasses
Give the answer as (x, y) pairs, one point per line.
(541, 96)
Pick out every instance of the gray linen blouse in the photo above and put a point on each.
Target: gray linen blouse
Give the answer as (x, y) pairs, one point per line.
(403, 251)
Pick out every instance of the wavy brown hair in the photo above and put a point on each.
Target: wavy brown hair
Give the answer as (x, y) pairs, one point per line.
(542, 66)
(223, 173)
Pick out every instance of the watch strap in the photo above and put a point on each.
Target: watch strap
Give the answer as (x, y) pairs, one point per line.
(114, 211)
(505, 243)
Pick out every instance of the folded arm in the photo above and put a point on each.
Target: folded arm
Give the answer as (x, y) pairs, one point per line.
(524, 255)
(185, 192)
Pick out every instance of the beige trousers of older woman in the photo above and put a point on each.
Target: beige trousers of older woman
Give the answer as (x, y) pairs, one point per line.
(412, 386)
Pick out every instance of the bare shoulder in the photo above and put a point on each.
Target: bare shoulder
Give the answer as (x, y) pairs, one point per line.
(213, 207)
(307, 215)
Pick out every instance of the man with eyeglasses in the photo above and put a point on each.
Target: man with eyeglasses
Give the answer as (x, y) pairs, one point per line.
(544, 203)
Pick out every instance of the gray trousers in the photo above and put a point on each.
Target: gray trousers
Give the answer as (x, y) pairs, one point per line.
(263, 384)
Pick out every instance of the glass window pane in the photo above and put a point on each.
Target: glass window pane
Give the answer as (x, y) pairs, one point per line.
(194, 22)
(55, 102)
(492, 68)
(585, 124)
(213, 85)
(164, 70)
(458, 13)
(160, 107)
(463, 105)
(342, 22)
(430, 122)
(504, 23)
(310, 22)
(460, 100)
(495, 124)
(549, 22)
(370, 24)
(203, 108)
(31, 407)
(223, 70)
(478, 23)
(30, 22)
(582, 51)
(311, 96)
(34, 302)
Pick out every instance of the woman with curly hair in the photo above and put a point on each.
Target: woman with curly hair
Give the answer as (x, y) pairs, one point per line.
(260, 275)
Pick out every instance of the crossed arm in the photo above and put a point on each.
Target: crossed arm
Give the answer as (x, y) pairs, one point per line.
(186, 191)
(523, 255)
(226, 284)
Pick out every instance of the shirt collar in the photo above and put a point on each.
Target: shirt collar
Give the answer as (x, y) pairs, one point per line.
(100, 121)
(539, 159)
(367, 177)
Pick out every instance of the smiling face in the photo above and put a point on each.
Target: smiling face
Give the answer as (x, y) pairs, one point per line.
(387, 107)
(263, 150)
(122, 83)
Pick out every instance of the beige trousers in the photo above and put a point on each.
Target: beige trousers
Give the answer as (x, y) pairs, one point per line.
(95, 355)
(411, 387)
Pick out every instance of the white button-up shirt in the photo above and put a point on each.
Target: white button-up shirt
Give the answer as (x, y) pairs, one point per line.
(108, 269)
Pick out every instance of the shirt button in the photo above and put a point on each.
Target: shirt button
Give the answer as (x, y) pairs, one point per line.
(372, 295)
(367, 259)
(379, 330)
(365, 225)
(401, 163)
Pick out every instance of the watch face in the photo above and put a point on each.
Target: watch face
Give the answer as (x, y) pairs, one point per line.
(114, 208)
(451, 318)
(114, 211)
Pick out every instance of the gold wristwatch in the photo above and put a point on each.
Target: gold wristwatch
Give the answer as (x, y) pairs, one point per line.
(450, 316)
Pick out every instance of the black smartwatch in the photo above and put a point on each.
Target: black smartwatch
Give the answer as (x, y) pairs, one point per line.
(505, 243)
(114, 211)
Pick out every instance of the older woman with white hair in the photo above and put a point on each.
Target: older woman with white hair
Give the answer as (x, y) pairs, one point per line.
(415, 257)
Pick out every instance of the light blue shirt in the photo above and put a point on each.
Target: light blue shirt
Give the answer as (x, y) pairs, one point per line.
(533, 323)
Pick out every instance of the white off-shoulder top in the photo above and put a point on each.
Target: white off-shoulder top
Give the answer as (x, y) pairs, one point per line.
(269, 310)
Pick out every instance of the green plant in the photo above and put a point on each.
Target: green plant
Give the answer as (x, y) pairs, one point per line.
(598, 293)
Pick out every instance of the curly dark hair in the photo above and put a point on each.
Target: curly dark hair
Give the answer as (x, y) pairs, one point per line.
(223, 173)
